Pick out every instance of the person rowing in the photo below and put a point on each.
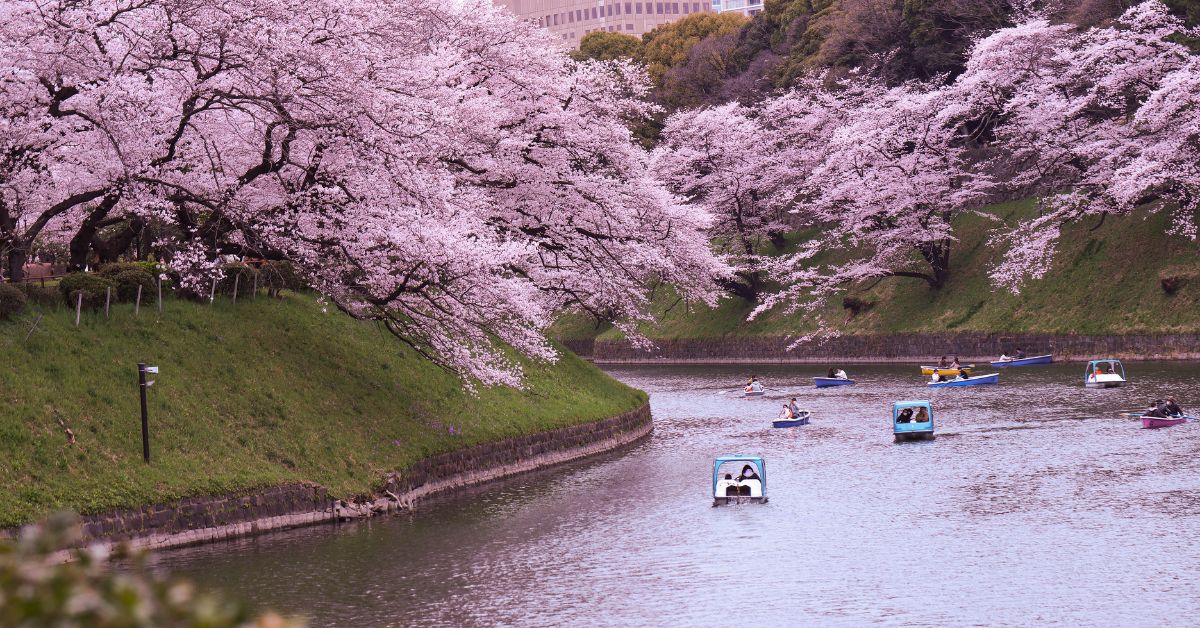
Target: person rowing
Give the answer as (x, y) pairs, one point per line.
(753, 385)
(795, 409)
(943, 363)
(1156, 410)
(1172, 408)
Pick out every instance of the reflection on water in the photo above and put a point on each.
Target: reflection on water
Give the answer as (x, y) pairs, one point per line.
(1036, 504)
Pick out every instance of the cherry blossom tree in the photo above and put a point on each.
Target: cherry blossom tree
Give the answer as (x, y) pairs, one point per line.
(1100, 127)
(442, 168)
(884, 189)
(725, 160)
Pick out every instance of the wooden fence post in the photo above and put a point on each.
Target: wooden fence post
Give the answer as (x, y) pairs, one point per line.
(254, 295)
(160, 295)
(137, 305)
(107, 300)
(78, 306)
(236, 279)
(212, 294)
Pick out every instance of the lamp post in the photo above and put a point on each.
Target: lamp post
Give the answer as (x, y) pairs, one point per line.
(142, 386)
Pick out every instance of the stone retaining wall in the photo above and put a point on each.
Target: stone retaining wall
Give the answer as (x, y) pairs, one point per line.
(206, 519)
(969, 346)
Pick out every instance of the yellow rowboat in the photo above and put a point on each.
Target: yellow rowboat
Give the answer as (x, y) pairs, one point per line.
(929, 370)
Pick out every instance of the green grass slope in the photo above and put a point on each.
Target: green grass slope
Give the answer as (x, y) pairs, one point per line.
(249, 395)
(1104, 281)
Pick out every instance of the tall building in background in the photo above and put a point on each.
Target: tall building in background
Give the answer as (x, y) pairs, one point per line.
(572, 19)
(745, 7)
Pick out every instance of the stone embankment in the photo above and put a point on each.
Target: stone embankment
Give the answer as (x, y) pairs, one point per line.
(969, 346)
(207, 519)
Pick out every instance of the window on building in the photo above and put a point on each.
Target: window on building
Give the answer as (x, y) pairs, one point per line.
(628, 8)
(629, 27)
(595, 13)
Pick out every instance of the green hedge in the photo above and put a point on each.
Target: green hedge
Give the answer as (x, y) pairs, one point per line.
(93, 287)
(12, 301)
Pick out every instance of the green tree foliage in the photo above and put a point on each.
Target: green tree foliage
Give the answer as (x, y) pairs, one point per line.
(668, 45)
(606, 46)
(39, 588)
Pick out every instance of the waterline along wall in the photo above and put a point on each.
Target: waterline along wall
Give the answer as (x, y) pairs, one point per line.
(206, 519)
(968, 346)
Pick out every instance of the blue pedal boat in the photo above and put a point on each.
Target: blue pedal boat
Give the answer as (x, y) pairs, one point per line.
(912, 420)
(826, 382)
(993, 378)
(1037, 359)
(739, 479)
(796, 422)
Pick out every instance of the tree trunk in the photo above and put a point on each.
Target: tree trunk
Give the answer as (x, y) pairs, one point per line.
(15, 263)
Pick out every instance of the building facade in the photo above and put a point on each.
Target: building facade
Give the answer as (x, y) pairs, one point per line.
(745, 7)
(572, 19)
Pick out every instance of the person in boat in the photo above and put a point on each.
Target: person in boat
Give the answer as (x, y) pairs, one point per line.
(1157, 410)
(787, 413)
(729, 485)
(905, 416)
(961, 375)
(840, 374)
(831, 374)
(794, 408)
(922, 416)
(954, 363)
(748, 473)
(943, 363)
(1172, 408)
(935, 378)
(1020, 354)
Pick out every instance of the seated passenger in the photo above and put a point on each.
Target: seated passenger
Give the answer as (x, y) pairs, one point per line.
(748, 473)
(1172, 408)
(1004, 358)
(960, 376)
(943, 363)
(905, 416)
(936, 378)
(954, 363)
(794, 408)
(730, 486)
(787, 413)
(1157, 410)
(922, 416)
(832, 374)
(840, 374)
(1020, 354)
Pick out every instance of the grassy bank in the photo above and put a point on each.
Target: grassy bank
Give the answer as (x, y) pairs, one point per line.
(1104, 281)
(250, 395)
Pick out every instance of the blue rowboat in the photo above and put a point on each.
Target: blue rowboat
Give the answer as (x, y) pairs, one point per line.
(1037, 359)
(993, 378)
(826, 382)
(796, 422)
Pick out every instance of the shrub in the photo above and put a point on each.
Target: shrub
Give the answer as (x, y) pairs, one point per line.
(113, 269)
(12, 301)
(239, 274)
(1172, 284)
(856, 305)
(127, 282)
(92, 287)
(45, 296)
(280, 275)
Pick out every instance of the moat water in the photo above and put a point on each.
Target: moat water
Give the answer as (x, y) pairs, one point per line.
(1036, 504)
